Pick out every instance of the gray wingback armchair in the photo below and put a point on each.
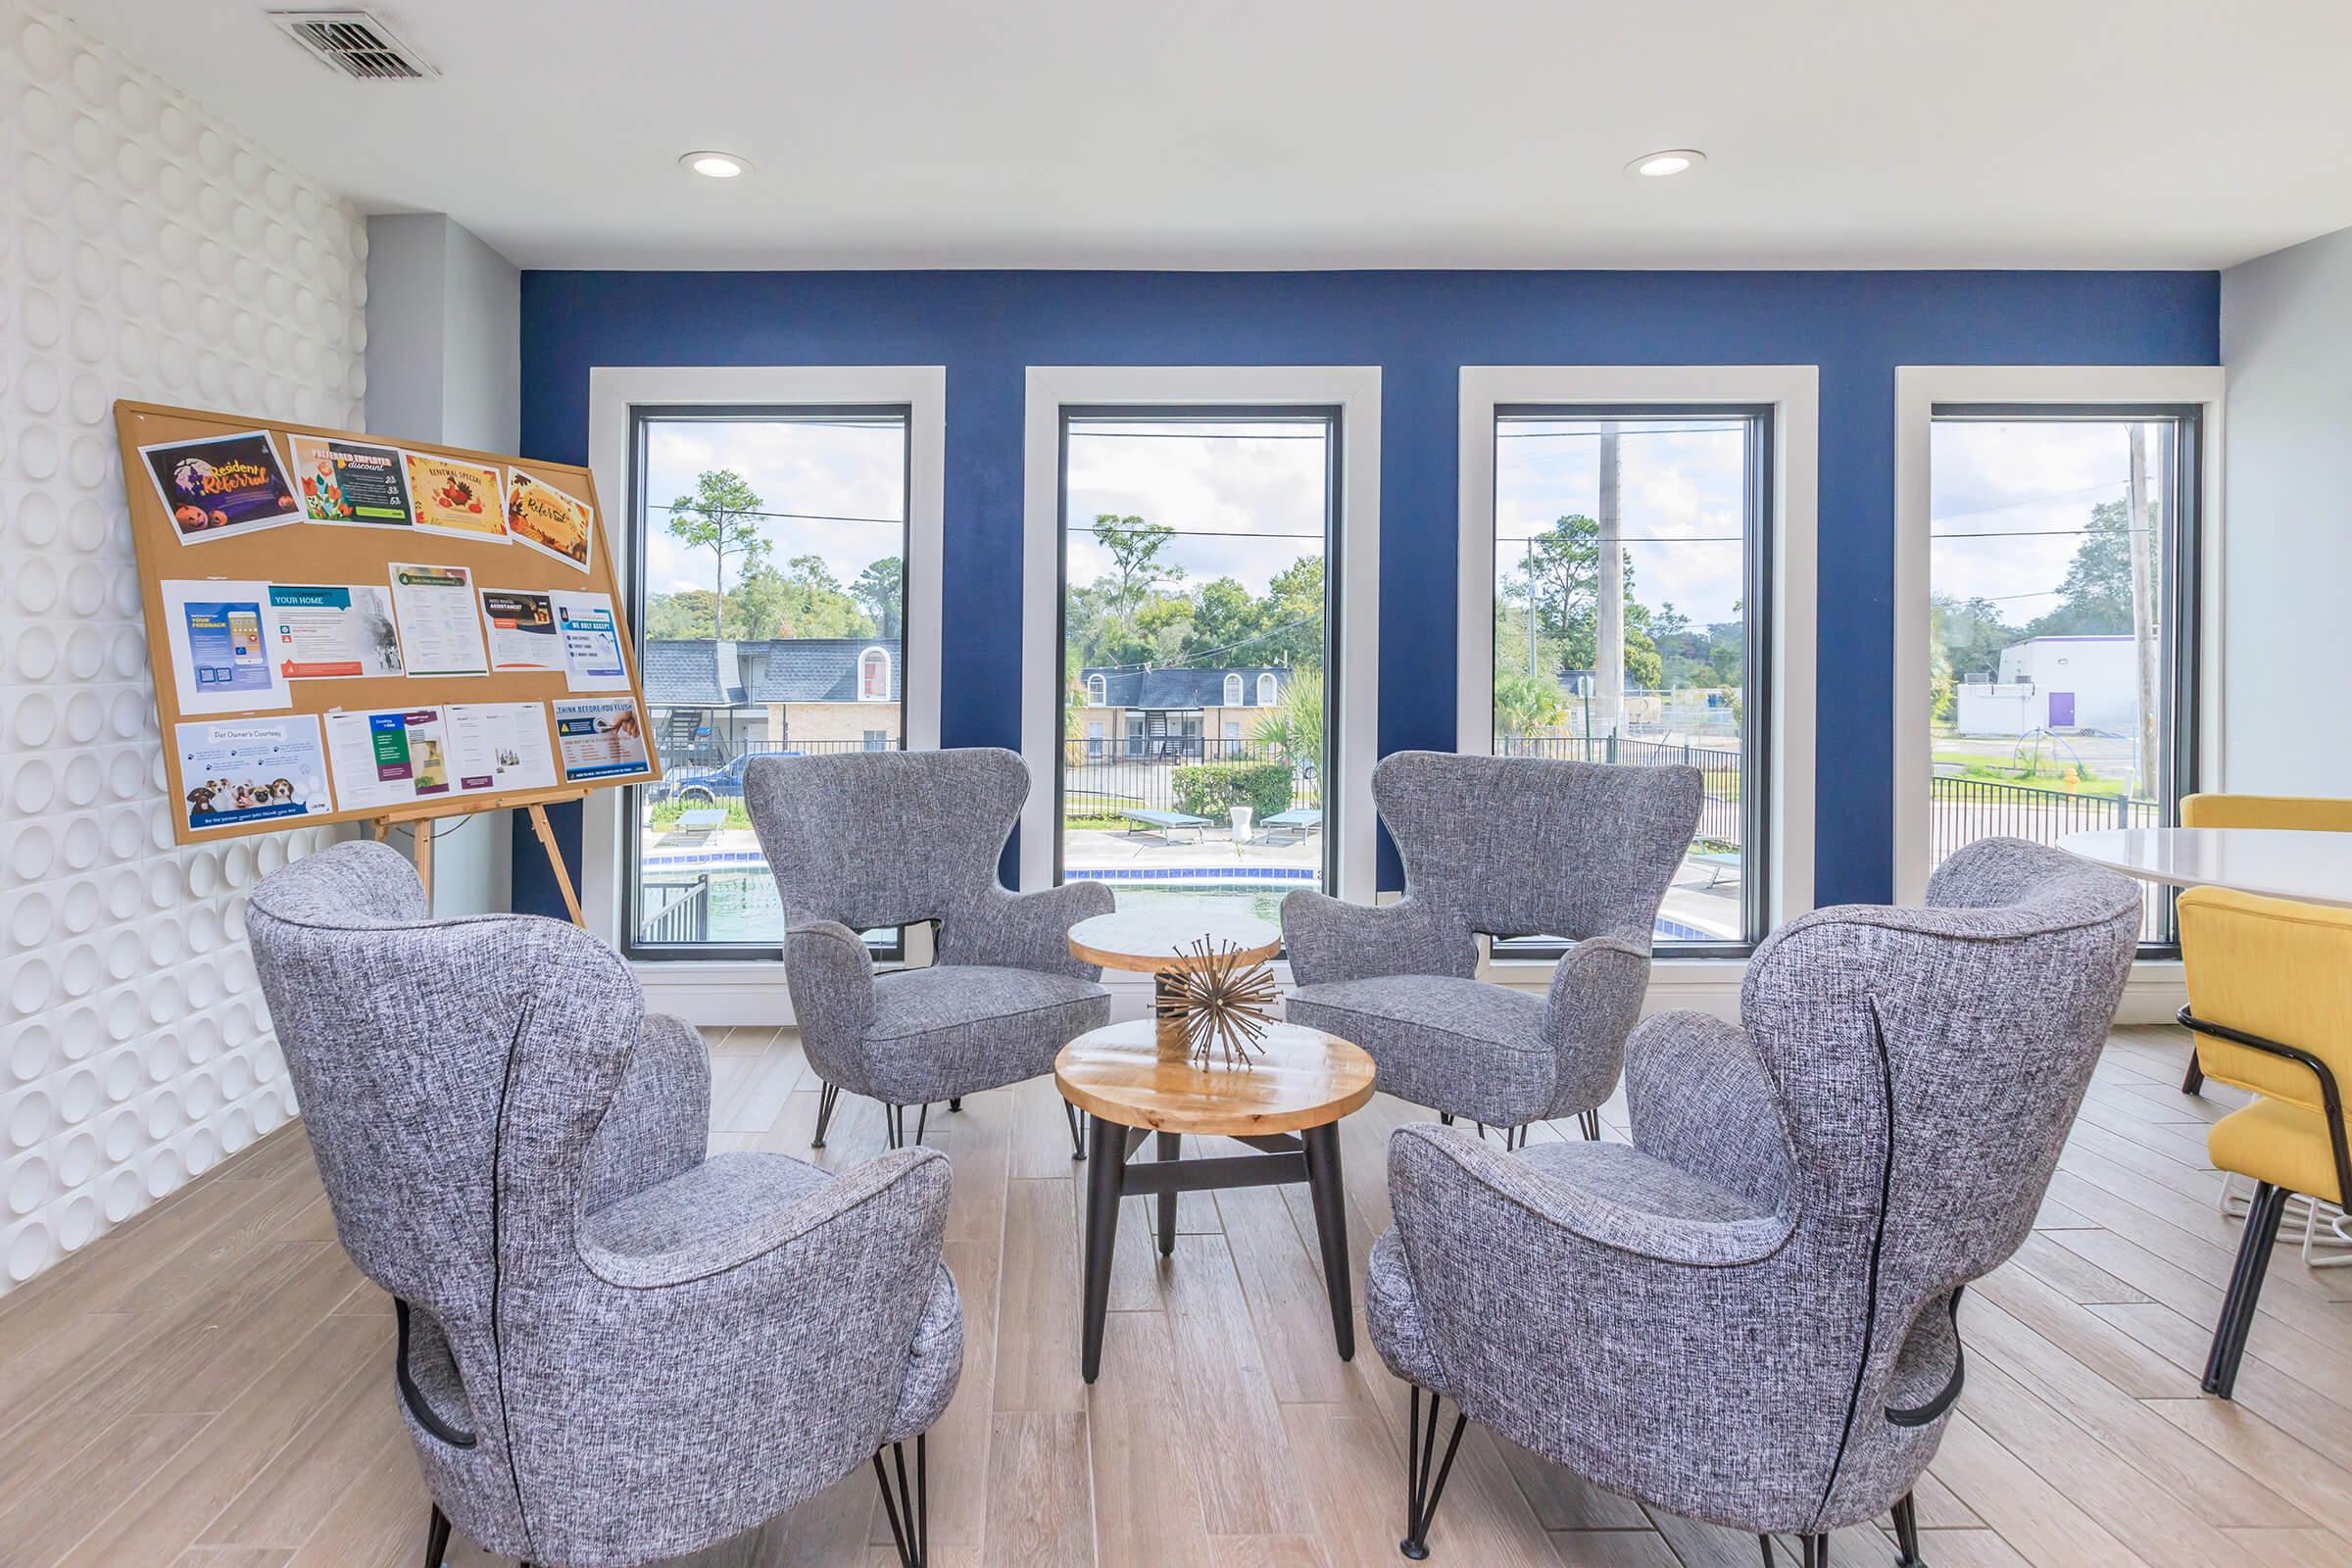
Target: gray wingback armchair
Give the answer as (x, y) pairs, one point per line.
(1498, 847)
(611, 1349)
(1749, 1316)
(867, 839)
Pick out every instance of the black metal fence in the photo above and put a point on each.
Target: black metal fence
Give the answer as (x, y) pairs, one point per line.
(1966, 809)
(1104, 779)
(1720, 816)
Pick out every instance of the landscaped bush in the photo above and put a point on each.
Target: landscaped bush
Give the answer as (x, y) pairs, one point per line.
(1209, 789)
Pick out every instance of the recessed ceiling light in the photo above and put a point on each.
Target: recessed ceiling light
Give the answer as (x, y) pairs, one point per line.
(1673, 161)
(716, 166)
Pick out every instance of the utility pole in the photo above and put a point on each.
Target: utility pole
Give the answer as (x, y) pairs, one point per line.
(1609, 592)
(2139, 542)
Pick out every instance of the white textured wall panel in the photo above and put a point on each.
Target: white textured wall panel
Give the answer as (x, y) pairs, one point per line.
(147, 250)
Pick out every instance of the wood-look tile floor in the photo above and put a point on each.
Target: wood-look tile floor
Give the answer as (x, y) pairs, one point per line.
(207, 1386)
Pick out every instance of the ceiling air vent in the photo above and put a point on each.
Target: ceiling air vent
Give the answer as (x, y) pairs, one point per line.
(353, 43)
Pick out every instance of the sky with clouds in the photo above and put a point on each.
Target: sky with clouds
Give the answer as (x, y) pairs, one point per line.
(1247, 497)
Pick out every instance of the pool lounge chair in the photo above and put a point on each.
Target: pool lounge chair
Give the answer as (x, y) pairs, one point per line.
(1165, 823)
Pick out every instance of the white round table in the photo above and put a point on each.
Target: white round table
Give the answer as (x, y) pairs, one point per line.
(2276, 863)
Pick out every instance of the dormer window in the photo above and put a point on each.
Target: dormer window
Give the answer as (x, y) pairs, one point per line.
(1097, 691)
(873, 675)
(1266, 693)
(1233, 691)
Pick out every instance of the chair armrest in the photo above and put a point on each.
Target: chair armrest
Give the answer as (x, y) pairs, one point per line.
(1327, 940)
(1702, 1099)
(1025, 930)
(707, 1240)
(659, 1123)
(1433, 1167)
(831, 978)
(934, 1361)
(1597, 991)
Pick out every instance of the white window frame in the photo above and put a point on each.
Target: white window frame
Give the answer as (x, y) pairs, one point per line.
(1097, 691)
(864, 696)
(1793, 393)
(1268, 691)
(1233, 690)
(2156, 987)
(1918, 390)
(727, 991)
(1355, 391)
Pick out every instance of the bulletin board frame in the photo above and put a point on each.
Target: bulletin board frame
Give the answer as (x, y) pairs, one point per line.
(320, 553)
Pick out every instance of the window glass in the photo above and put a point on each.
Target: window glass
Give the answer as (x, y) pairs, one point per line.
(1629, 548)
(2057, 602)
(1196, 552)
(769, 550)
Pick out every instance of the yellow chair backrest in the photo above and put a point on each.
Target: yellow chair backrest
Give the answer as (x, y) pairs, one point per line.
(2313, 813)
(2275, 968)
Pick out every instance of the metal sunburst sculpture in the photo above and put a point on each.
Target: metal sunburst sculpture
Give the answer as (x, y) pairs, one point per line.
(1223, 1002)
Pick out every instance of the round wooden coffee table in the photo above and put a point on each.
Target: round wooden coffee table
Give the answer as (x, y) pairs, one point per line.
(1155, 941)
(1285, 1104)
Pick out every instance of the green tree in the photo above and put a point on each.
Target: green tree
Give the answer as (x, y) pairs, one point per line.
(1294, 725)
(1294, 617)
(881, 588)
(1228, 624)
(1558, 576)
(813, 603)
(721, 516)
(1524, 704)
(1136, 548)
(682, 617)
(2095, 595)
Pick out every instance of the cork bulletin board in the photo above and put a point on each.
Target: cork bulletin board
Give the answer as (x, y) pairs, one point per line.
(347, 628)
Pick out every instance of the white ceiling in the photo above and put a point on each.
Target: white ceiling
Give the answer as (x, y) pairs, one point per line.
(1289, 133)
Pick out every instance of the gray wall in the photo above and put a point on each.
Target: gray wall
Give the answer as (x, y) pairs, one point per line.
(445, 364)
(2286, 339)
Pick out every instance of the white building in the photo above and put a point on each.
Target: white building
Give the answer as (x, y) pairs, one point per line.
(2064, 684)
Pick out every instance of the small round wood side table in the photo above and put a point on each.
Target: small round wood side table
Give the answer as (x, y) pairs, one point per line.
(1285, 1105)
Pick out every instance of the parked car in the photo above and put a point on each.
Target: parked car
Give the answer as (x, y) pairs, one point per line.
(709, 786)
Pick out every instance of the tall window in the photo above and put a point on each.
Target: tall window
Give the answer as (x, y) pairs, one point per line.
(2062, 582)
(1630, 573)
(769, 552)
(1197, 548)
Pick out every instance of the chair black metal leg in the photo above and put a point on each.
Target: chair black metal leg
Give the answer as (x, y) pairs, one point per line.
(908, 1507)
(826, 1099)
(2263, 1212)
(1422, 1488)
(1591, 1123)
(922, 1121)
(894, 1126)
(436, 1539)
(1323, 1186)
(956, 1103)
(1168, 1149)
(2192, 1082)
(1906, 1532)
(1446, 1118)
(1770, 1561)
(1816, 1551)
(1104, 1184)
(1077, 1120)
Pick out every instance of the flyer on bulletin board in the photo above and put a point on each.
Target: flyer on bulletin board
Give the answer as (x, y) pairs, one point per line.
(500, 745)
(440, 628)
(389, 756)
(328, 632)
(220, 655)
(236, 772)
(592, 658)
(221, 486)
(600, 739)
(522, 630)
(457, 497)
(549, 521)
(350, 483)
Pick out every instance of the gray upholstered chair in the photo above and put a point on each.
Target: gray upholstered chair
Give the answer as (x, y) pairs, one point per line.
(862, 840)
(612, 1349)
(1749, 1316)
(1498, 847)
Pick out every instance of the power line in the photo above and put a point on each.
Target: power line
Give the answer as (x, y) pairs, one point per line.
(1203, 652)
(799, 517)
(2032, 500)
(1594, 435)
(1659, 539)
(2038, 533)
(1191, 533)
(1195, 435)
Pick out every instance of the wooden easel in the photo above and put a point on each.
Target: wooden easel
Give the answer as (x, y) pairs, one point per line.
(421, 818)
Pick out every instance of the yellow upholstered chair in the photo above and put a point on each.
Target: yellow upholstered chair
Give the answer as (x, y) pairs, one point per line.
(2269, 999)
(2308, 813)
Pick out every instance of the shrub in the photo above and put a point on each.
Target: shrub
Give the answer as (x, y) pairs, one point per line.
(1209, 789)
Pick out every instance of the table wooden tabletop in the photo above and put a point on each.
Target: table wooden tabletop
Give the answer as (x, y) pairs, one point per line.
(1130, 1074)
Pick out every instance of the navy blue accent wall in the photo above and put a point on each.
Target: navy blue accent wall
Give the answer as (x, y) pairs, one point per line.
(1420, 327)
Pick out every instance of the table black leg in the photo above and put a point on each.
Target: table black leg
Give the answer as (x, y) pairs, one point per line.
(1168, 1149)
(1106, 1177)
(1322, 1146)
